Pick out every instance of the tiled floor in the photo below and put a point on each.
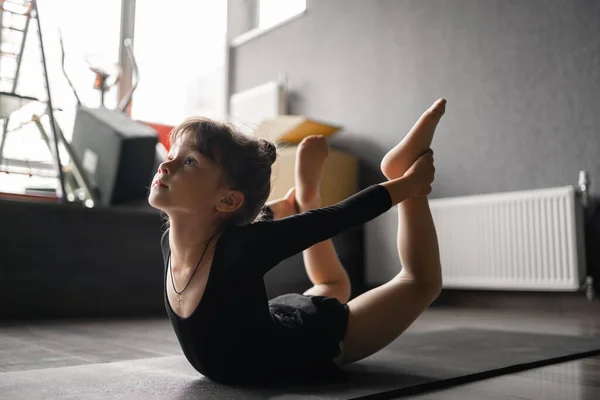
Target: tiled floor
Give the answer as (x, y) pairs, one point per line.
(50, 344)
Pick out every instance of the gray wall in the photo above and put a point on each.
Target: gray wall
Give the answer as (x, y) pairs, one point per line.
(522, 80)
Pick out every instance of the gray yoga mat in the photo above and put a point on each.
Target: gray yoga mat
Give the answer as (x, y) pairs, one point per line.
(414, 363)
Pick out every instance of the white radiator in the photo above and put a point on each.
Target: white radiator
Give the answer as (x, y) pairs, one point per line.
(249, 108)
(525, 240)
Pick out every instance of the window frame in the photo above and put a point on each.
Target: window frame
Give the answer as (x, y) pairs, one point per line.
(257, 31)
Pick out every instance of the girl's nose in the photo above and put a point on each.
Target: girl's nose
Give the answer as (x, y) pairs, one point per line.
(163, 168)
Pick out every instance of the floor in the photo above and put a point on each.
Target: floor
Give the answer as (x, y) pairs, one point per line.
(568, 381)
(575, 380)
(48, 344)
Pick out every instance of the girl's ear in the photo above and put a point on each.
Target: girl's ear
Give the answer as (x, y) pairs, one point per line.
(231, 201)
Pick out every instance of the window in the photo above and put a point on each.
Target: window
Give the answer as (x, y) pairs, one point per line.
(94, 30)
(180, 48)
(272, 12)
(260, 16)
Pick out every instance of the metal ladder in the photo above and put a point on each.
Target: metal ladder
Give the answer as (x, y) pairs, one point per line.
(16, 17)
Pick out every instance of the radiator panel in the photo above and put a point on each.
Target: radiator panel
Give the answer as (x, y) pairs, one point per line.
(526, 240)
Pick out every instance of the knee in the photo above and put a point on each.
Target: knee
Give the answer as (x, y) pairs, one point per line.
(344, 291)
(345, 294)
(340, 290)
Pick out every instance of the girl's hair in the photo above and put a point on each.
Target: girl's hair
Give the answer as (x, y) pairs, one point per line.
(245, 161)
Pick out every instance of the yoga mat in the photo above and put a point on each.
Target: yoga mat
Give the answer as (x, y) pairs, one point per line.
(414, 363)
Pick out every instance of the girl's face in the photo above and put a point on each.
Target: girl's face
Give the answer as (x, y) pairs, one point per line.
(186, 182)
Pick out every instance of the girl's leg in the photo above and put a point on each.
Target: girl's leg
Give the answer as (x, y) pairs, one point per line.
(322, 264)
(380, 315)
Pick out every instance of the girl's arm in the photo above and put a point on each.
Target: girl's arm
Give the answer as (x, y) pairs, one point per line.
(267, 243)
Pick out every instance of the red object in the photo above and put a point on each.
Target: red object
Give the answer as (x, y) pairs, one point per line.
(163, 132)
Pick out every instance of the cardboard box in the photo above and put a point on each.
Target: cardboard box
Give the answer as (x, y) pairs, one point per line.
(340, 175)
(293, 128)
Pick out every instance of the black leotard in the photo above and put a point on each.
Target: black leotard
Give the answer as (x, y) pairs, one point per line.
(235, 335)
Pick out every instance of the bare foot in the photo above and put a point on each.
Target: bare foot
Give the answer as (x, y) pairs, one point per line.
(398, 160)
(311, 155)
(285, 206)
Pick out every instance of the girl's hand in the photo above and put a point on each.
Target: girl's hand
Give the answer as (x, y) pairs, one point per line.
(422, 173)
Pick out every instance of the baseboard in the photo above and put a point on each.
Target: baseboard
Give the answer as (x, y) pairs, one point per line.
(517, 300)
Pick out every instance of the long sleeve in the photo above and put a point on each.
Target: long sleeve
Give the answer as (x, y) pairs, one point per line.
(266, 243)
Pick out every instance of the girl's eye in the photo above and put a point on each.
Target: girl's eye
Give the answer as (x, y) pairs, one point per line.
(189, 159)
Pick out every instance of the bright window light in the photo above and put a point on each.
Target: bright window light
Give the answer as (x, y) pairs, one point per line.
(180, 48)
(272, 12)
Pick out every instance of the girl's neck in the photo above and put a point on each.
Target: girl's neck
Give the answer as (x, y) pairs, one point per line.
(189, 240)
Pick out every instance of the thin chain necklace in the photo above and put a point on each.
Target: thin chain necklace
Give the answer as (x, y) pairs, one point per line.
(173, 280)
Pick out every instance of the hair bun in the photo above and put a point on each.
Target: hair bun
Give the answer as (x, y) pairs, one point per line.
(269, 150)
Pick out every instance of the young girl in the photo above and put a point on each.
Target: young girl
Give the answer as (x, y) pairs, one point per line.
(222, 238)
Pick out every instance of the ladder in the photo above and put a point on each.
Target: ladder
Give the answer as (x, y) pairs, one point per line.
(16, 17)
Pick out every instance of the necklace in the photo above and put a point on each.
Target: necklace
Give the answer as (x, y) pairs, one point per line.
(171, 267)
